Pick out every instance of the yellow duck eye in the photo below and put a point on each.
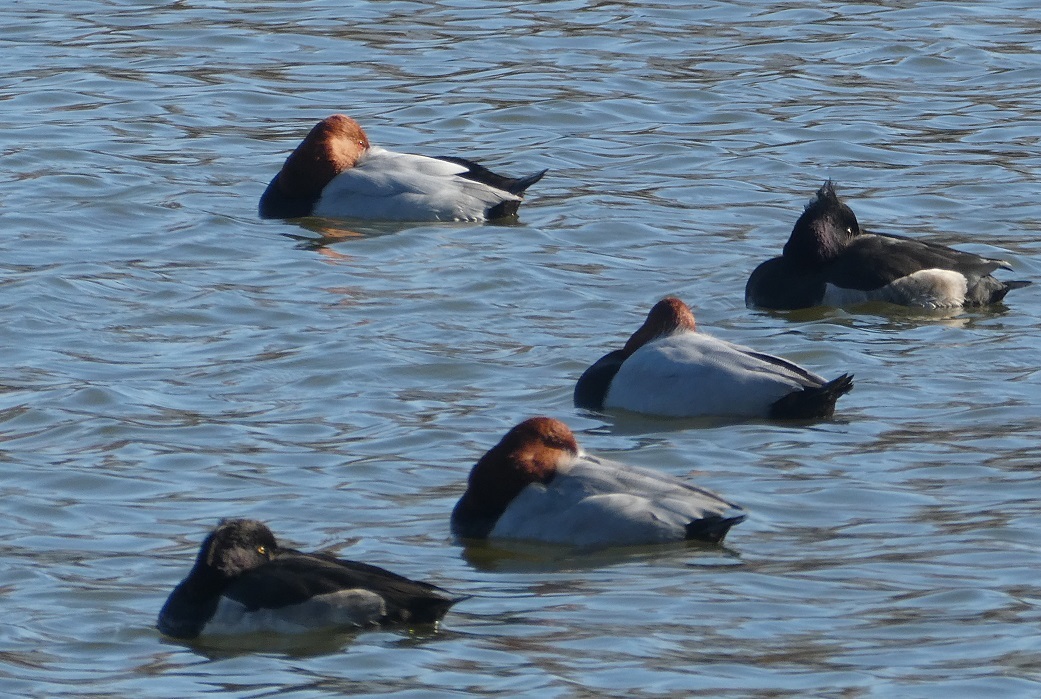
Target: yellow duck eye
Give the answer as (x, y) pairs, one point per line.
(262, 550)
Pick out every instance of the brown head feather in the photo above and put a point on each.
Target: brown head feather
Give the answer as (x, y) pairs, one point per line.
(668, 315)
(529, 453)
(332, 146)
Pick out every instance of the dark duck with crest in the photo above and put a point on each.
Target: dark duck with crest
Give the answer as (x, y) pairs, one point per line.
(830, 261)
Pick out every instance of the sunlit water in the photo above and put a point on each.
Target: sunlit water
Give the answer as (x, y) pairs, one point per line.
(169, 359)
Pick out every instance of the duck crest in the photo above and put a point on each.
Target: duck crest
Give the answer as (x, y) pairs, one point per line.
(826, 194)
(666, 317)
(332, 146)
(823, 229)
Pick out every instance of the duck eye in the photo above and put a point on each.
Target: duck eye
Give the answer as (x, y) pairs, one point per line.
(262, 550)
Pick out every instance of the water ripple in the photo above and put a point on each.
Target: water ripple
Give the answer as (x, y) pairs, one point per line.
(170, 359)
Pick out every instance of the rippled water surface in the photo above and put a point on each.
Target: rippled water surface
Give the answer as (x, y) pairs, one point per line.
(169, 359)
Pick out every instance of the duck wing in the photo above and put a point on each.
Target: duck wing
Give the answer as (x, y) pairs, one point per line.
(597, 502)
(871, 261)
(294, 578)
(401, 186)
(648, 499)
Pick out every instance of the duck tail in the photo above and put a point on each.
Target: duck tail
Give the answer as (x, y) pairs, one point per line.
(514, 186)
(712, 529)
(986, 290)
(1006, 287)
(812, 402)
(431, 609)
(479, 173)
(517, 185)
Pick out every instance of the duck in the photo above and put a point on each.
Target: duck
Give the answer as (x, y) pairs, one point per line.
(336, 173)
(537, 485)
(830, 261)
(243, 581)
(668, 369)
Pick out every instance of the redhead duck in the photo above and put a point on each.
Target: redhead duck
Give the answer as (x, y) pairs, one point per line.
(830, 261)
(536, 484)
(666, 368)
(335, 173)
(244, 582)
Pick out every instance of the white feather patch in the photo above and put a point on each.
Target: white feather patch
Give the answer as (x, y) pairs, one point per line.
(927, 288)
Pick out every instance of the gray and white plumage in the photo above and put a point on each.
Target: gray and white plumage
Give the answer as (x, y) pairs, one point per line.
(336, 173)
(536, 484)
(594, 502)
(667, 368)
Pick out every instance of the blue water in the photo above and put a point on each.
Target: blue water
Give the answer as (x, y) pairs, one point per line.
(170, 359)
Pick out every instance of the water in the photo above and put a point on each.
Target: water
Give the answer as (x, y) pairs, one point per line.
(170, 359)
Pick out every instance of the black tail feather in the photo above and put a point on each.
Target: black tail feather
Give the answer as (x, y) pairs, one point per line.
(1007, 287)
(430, 609)
(514, 185)
(712, 529)
(479, 173)
(812, 402)
(519, 184)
